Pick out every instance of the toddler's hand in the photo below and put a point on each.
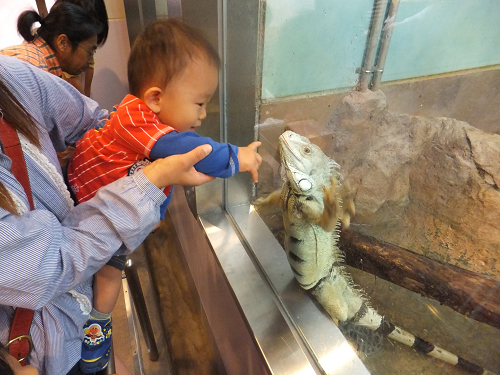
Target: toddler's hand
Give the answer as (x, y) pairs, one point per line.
(250, 160)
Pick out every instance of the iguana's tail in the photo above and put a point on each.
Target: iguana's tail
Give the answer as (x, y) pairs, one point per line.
(394, 332)
(367, 316)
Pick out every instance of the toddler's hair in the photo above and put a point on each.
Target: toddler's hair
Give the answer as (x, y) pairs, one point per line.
(162, 51)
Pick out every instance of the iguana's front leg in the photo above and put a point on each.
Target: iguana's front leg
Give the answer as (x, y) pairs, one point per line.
(325, 215)
(348, 209)
(266, 204)
(332, 207)
(337, 204)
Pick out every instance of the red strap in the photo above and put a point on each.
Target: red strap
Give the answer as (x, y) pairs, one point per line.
(12, 148)
(19, 339)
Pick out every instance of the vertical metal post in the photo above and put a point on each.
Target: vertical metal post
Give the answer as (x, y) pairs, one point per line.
(148, 12)
(42, 8)
(134, 285)
(385, 40)
(222, 45)
(134, 17)
(371, 44)
(174, 8)
(139, 14)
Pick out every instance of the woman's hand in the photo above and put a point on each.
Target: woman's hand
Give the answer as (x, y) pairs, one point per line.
(178, 169)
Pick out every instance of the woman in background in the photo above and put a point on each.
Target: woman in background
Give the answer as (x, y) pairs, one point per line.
(64, 44)
(66, 40)
(97, 8)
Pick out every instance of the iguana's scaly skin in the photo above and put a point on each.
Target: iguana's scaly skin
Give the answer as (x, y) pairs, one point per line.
(314, 203)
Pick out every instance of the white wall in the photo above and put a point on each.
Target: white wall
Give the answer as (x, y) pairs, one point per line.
(9, 11)
(110, 83)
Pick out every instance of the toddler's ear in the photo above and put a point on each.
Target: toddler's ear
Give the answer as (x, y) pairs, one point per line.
(152, 98)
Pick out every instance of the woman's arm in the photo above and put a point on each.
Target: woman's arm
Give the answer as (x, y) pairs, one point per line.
(54, 248)
(41, 257)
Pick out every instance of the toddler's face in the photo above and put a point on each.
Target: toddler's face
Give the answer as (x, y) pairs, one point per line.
(184, 101)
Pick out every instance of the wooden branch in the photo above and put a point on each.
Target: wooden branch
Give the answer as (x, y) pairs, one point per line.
(466, 292)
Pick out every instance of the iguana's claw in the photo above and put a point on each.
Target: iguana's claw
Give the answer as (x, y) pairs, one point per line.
(331, 207)
(337, 204)
(267, 204)
(348, 209)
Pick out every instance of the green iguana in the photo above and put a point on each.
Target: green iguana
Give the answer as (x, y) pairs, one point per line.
(314, 203)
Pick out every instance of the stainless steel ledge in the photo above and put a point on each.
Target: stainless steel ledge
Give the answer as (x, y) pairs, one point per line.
(321, 336)
(279, 346)
(249, 330)
(261, 320)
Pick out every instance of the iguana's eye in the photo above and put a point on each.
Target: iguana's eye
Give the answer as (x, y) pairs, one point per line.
(307, 150)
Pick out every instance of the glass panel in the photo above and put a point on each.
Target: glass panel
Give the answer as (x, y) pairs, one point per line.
(203, 16)
(419, 160)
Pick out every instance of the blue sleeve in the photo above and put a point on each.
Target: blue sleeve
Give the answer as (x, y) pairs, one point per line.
(221, 162)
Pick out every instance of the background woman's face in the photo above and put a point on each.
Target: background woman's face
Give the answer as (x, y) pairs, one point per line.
(76, 61)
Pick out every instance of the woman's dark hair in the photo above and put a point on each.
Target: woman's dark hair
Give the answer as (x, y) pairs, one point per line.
(16, 115)
(97, 8)
(5, 368)
(162, 51)
(64, 18)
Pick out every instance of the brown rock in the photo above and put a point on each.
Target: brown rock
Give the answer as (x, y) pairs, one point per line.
(430, 185)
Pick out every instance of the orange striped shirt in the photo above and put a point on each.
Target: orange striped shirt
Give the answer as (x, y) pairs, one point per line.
(37, 53)
(104, 155)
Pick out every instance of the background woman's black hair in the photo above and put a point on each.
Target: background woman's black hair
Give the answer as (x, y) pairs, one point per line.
(5, 368)
(64, 18)
(98, 9)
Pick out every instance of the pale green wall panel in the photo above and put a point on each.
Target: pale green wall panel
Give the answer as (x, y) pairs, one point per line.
(432, 37)
(313, 45)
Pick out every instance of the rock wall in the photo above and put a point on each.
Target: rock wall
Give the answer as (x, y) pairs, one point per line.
(430, 185)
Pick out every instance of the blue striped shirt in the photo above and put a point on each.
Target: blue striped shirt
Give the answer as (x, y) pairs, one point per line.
(49, 255)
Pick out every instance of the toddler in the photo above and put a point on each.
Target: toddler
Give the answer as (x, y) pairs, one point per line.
(173, 74)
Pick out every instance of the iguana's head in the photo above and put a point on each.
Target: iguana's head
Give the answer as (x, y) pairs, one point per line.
(303, 163)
